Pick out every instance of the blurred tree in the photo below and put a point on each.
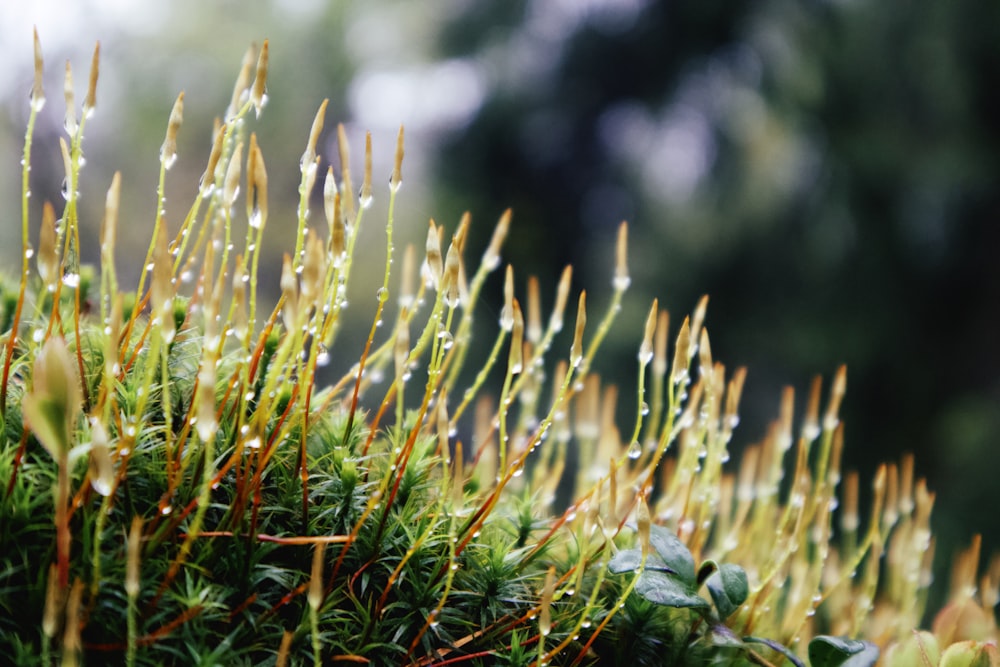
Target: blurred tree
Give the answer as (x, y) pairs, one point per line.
(826, 171)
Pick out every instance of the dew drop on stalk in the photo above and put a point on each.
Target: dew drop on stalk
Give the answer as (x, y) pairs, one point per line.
(166, 509)
(253, 443)
(644, 409)
(634, 450)
(447, 340)
(323, 358)
(168, 160)
(29, 252)
(518, 472)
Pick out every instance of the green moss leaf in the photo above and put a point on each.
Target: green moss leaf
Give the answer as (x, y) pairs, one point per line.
(627, 560)
(729, 589)
(667, 590)
(826, 651)
(674, 553)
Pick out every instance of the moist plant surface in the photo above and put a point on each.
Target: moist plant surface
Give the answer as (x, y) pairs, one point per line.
(177, 488)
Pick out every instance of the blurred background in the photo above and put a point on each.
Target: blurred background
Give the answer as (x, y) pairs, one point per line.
(828, 171)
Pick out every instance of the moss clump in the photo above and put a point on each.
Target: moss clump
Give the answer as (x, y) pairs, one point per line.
(178, 488)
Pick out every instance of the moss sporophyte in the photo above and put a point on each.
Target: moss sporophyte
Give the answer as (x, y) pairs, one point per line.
(178, 489)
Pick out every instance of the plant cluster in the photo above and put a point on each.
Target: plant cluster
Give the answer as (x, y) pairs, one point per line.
(178, 488)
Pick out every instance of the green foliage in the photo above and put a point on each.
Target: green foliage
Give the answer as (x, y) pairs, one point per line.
(177, 465)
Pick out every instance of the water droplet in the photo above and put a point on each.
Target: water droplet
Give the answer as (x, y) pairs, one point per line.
(634, 450)
(71, 280)
(168, 159)
(644, 408)
(166, 509)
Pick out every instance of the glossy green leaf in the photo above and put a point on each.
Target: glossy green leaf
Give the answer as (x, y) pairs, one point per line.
(729, 588)
(667, 590)
(721, 636)
(627, 560)
(674, 553)
(826, 651)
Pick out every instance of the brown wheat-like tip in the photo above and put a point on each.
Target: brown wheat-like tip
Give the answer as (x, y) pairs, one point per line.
(206, 426)
(101, 469)
(132, 557)
(588, 406)
(679, 367)
(452, 262)
(109, 231)
(366, 184)
(53, 604)
(534, 328)
(397, 169)
(576, 350)
(309, 155)
(37, 91)
(71, 629)
(646, 348)
(704, 355)
(208, 178)
(258, 93)
(48, 253)
(832, 416)
(90, 102)
(432, 260)
(68, 167)
(697, 320)
(516, 360)
(231, 183)
(545, 611)
(660, 344)
(562, 296)
(491, 256)
(507, 312)
(168, 151)
(344, 149)
(621, 280)
(643, 524)
(329, 192)
(810, 423)
(70, 123)
(162, 287)
(313, 270)
(242, 81)
(258, 175)
(849, 520)
(315, 595)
